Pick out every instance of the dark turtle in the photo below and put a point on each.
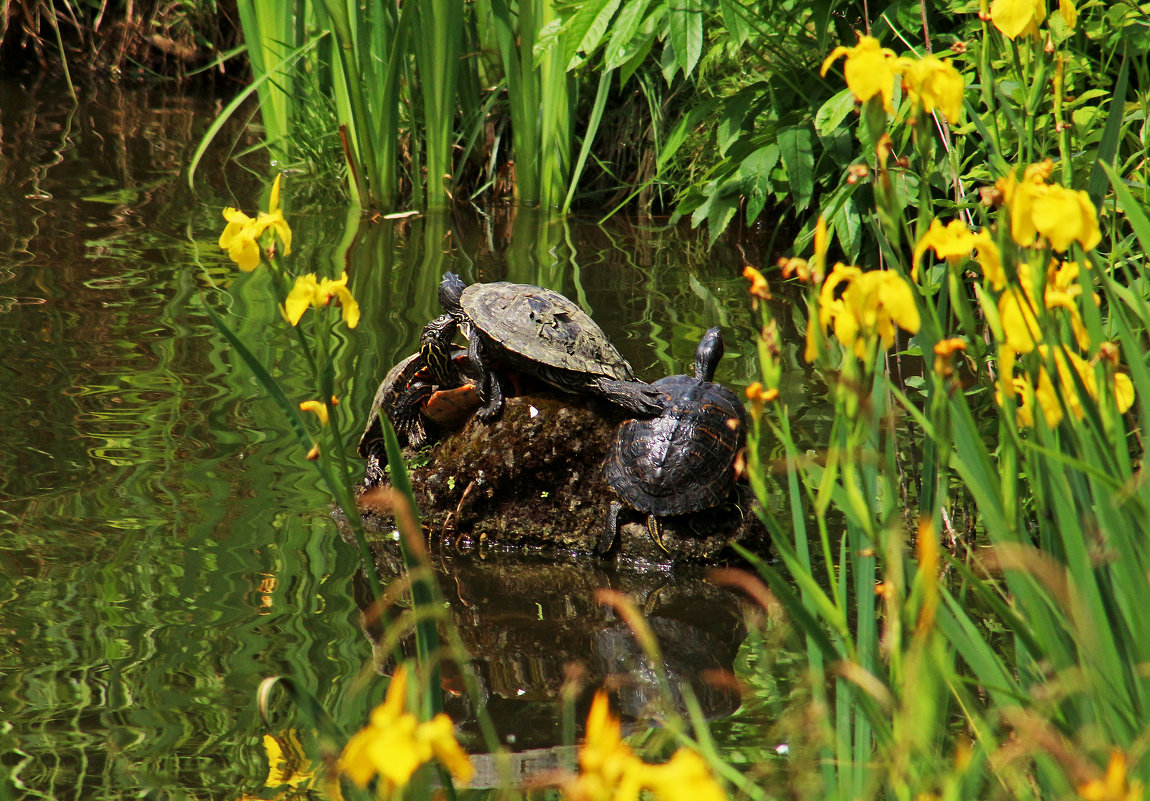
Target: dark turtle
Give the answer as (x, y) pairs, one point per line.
(414, 402)
(535, 331)
(683, 460)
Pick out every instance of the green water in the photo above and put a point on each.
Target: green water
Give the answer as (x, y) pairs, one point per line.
(164, 544)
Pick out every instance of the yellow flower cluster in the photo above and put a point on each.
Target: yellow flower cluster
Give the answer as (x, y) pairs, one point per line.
(871, 69)
(1020, 302)
(1058, 214)
(394, 743)
(241, 236)
(610, 771)
(872, 303)
(1071, 368)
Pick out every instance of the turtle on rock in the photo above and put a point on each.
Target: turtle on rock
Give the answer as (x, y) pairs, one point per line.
(682, 461)
(418, 404)
(533, 331)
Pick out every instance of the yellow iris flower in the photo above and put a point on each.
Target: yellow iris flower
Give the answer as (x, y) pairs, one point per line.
(1017, 17)
(872, 304)
(394, 743)
(610, 771)
(934, 83)
(1059, 214)
(241, 236)
(312, 291)
(1046, 394)
(869, 71)
(289, 769)
(954, 242)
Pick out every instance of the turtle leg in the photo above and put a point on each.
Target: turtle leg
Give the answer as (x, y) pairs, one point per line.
(611, 531)
(655, 527)
(406, 418)
(487, 384)
(435, 349)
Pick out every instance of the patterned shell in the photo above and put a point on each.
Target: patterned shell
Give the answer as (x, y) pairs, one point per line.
(543, 326)
(397, 379)
(683, 460)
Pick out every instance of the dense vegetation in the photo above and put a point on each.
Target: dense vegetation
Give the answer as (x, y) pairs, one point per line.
(966, 560)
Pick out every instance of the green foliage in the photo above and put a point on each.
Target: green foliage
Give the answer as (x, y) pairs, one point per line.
(1002, 655)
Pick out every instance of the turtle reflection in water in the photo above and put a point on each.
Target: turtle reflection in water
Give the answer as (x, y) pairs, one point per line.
(534, 331)
(683, 460)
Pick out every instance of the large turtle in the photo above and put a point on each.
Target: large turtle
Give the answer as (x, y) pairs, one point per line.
(535, 331)
(683, 460)
(418, 404)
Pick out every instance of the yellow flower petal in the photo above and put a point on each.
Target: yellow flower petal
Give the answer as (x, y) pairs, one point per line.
(1019, 321)
(935, 83)
(869, 71)
(301, 296)
(440, 733)
(1017, 17)
(319, 409)
(274, 199)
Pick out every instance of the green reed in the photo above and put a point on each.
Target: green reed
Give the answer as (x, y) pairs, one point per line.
(315, 308)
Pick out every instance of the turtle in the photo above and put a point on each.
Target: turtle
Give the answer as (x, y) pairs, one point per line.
(417, 403)
(682, 461)
(535, 331)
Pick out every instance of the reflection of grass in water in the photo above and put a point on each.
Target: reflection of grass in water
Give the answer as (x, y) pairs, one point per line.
(133, 675)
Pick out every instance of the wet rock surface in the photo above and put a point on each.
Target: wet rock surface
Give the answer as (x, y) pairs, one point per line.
(533, 480)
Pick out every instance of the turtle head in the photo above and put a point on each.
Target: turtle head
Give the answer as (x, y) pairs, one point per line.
(708, 353)
(451, 293)
(435, 347)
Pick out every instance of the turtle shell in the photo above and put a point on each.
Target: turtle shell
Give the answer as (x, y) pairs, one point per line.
(398, 378)
(683, 460)
(543, 326)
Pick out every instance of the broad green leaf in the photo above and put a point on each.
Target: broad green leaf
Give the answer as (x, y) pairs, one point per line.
(755, 172)
(832, 113)
(735, 20)
(585, 30)
(799, 159)
(685, 23)
(624, 32)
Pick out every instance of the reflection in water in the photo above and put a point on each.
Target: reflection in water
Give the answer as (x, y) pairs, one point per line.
(531, 623)
(165, 546)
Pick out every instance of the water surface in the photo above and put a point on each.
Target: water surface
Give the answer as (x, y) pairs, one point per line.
(165, 544)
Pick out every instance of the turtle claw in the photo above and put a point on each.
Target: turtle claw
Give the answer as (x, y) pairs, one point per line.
(655, 527)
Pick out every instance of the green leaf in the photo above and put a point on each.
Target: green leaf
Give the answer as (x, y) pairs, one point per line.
(585, 30)
(1130, 206)
(734, 115)
(798, 157)
(1108, 147)
(832, 113)
(735, 21)
(685, 21)
(755, 172)
(624, 32)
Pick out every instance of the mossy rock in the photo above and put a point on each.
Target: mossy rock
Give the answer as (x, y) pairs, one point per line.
(534, 480)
